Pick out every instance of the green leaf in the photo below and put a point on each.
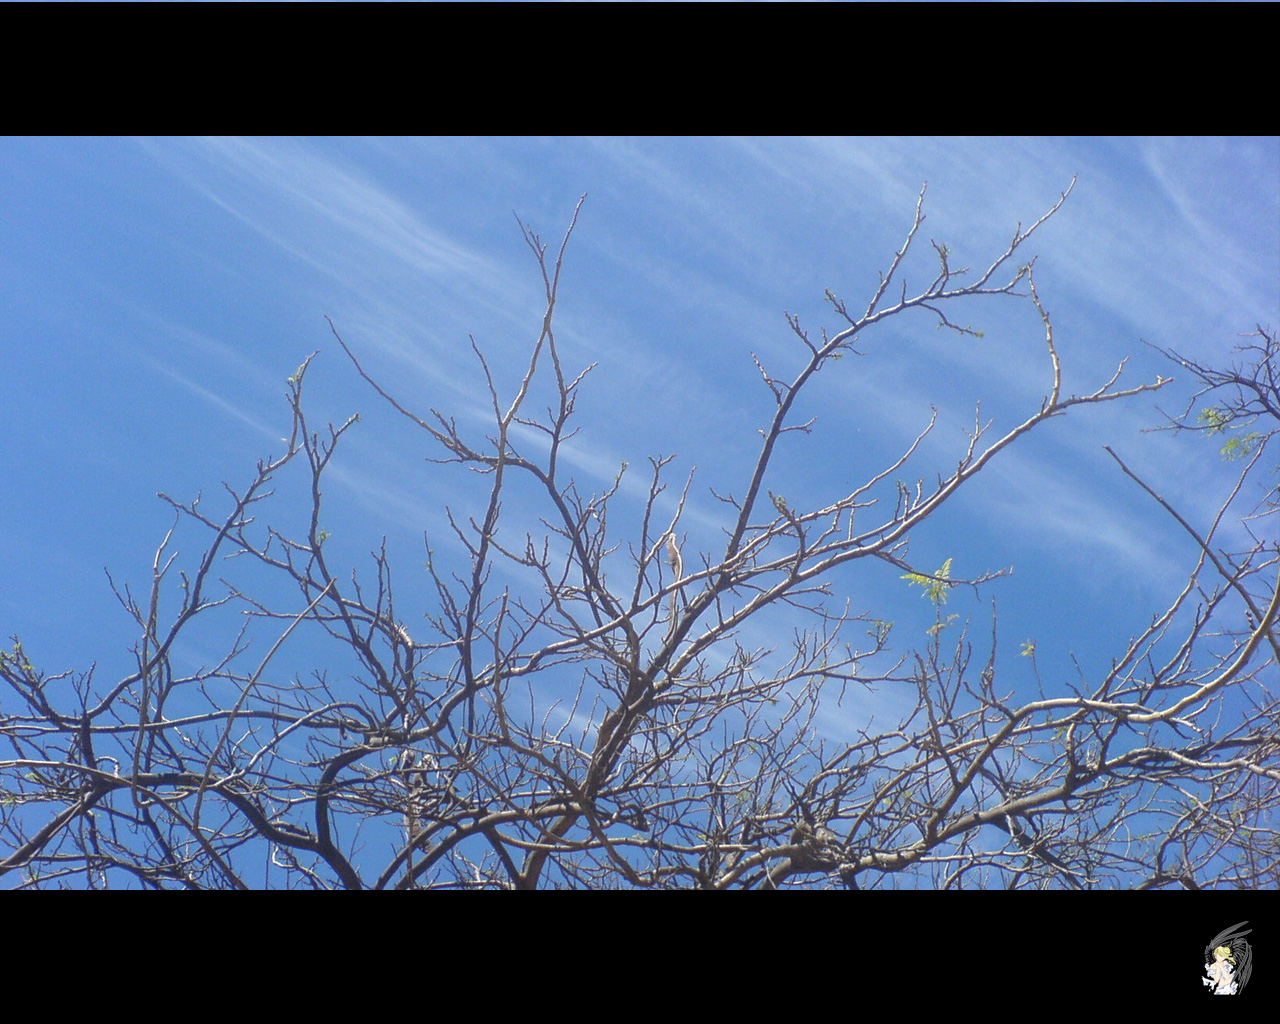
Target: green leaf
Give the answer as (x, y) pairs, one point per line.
(935, 586)
(938, 627)
(1215, 419)
(1239, 447)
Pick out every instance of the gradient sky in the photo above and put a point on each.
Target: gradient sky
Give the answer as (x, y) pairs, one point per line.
(155, 294)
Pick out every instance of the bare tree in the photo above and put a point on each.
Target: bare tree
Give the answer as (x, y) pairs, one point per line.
(580, 708)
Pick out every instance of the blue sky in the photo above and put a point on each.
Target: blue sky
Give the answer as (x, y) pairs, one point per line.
(155, 294)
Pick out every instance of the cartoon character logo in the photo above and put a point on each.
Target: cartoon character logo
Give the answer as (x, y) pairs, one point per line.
(1228, 961)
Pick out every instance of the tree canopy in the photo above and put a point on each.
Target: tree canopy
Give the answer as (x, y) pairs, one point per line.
(589, 698)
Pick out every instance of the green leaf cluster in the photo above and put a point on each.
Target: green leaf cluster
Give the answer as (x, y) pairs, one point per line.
(935, 586)
(16, 660)
(1218, 421)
